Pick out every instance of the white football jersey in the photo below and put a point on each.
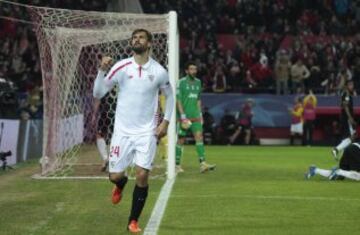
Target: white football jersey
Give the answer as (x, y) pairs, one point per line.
(137, 101)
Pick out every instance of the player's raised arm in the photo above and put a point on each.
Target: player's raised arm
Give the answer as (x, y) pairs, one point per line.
(100, 87)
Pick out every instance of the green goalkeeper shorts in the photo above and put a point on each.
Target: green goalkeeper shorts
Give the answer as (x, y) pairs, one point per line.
(195, 127)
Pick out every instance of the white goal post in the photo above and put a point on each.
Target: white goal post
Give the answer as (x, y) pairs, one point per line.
(174, 75)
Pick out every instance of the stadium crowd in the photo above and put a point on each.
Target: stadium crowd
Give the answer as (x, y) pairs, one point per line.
(275, 41)
(19, 58)
(277, 46)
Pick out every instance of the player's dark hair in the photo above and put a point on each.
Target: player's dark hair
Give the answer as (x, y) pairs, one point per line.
(148, 34)
(188, 64)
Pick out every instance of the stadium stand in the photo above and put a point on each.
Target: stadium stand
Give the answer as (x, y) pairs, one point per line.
(234, 35)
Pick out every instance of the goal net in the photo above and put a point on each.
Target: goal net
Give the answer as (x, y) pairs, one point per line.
(71, 44)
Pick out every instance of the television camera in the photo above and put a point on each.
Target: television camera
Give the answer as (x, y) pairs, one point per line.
(3, 156)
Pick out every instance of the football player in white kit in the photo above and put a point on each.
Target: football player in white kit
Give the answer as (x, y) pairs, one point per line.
(139, 79)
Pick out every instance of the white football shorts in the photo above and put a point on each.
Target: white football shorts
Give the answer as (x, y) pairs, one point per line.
(127, 150)
(296, 128)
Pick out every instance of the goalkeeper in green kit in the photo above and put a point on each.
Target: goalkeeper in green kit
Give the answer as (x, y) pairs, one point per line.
(189, 116)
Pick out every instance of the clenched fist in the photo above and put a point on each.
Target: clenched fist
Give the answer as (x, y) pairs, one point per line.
(106, 63)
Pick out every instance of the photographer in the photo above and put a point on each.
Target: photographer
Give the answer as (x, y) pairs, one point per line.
(244, 124)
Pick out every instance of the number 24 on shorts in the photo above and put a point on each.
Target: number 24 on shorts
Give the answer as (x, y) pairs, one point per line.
(115, 151)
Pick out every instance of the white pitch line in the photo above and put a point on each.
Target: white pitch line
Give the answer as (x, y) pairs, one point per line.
(38, 177)
(153, 224)
(274, 197)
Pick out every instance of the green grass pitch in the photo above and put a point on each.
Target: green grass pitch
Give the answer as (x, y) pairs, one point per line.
(255, 190)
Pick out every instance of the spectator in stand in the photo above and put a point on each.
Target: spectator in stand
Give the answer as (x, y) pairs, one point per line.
(31, 107)
(341, 79)
(234, 76)
(314, 81)
(244, 124)
(299, 72)
(248, 56)
(282, 73)
(329, 83)
(219, 80)
(296, 129)
(309, 104)
(260, 74)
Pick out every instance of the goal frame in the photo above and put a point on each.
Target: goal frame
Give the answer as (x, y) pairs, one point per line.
(173, 69)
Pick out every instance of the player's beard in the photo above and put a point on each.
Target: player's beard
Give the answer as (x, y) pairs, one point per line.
(139, 49)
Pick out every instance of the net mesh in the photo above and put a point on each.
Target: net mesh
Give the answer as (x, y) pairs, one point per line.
(71, 44)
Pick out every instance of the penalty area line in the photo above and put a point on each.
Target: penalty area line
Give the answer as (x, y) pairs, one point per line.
(157, 214)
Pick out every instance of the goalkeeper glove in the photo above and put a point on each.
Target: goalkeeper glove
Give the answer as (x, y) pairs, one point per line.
(185, 123)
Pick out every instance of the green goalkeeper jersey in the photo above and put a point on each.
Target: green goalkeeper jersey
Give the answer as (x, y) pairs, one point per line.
(188, 94)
